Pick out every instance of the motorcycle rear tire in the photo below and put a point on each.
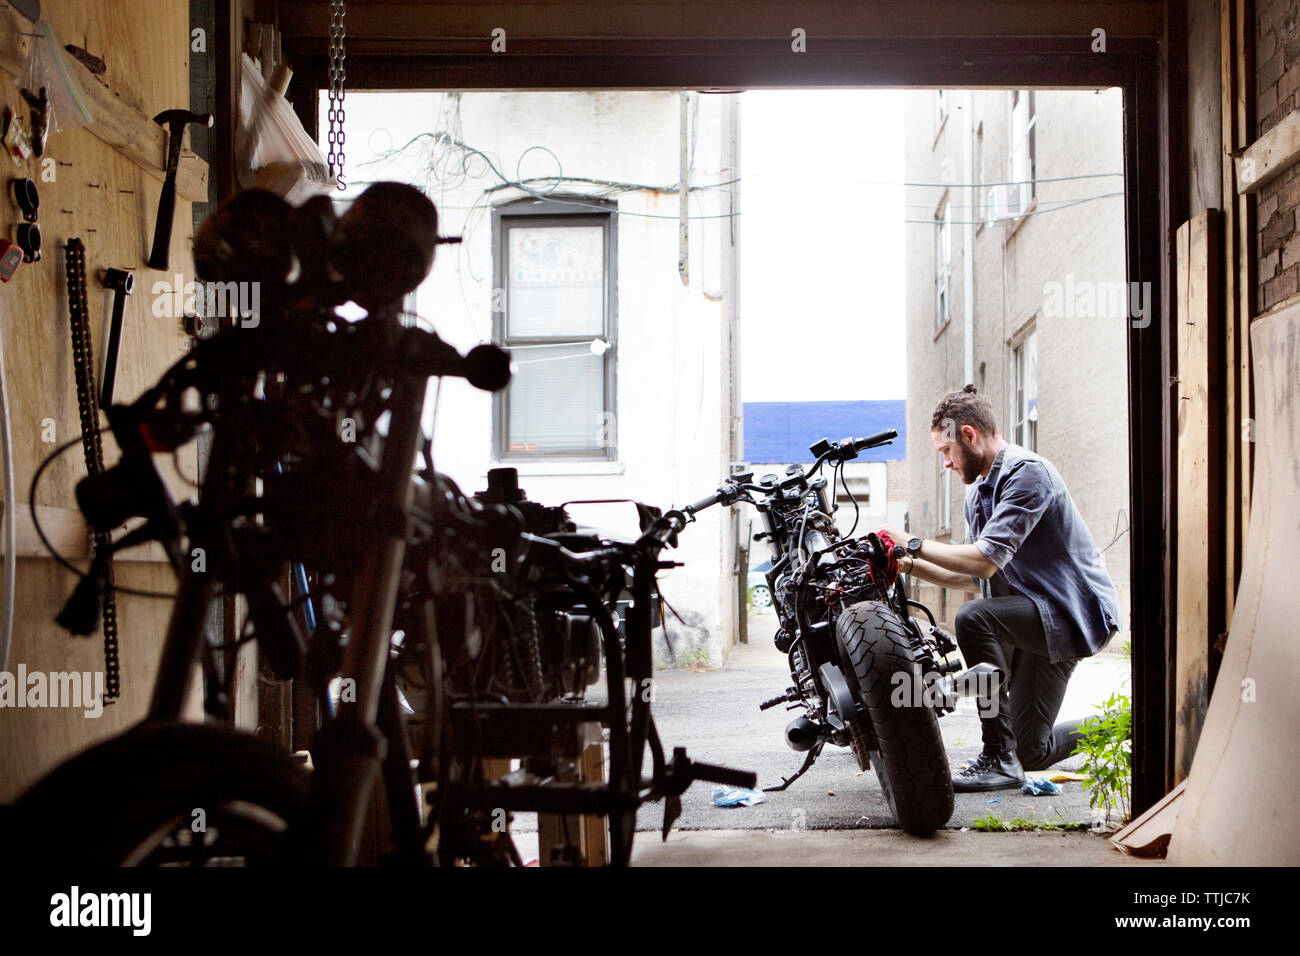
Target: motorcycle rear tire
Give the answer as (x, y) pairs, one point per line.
(909, 757)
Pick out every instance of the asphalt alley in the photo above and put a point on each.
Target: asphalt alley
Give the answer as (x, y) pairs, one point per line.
(715, 715)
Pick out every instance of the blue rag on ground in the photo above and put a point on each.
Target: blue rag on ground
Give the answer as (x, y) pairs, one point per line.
(736, 796)
(1039, 787)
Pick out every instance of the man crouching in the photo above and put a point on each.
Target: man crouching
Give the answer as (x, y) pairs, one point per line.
(1048, 600)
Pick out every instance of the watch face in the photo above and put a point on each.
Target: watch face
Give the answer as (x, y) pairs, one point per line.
(913, 545)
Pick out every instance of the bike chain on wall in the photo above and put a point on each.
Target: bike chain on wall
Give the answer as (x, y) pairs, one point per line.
(83, 363)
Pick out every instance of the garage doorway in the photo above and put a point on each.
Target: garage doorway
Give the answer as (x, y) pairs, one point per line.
(849, 260)
(1131, 63)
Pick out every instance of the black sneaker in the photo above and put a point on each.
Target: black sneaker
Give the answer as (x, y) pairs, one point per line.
(990, 772)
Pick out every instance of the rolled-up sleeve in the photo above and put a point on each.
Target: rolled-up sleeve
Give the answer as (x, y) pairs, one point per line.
(1026, 493)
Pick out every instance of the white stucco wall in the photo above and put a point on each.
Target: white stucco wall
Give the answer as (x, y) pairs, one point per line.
(674, 401)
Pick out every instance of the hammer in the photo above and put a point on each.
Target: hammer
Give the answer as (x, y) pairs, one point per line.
(122, 282)
(175, 122)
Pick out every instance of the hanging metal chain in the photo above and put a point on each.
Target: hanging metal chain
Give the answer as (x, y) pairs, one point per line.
(338, 76)
(83, 366)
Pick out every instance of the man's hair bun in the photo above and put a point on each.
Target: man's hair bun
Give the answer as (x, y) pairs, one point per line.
(962, 408)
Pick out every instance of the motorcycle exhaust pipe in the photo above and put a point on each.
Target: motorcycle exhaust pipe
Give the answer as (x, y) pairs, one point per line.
(801, 733)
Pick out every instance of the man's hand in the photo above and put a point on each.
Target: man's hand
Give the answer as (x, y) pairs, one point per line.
(900, 537)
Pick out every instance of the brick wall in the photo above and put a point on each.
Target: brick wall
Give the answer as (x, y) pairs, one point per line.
(896, 480)
(1277, 82)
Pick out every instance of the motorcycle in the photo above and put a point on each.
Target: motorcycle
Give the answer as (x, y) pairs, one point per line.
(865, 674)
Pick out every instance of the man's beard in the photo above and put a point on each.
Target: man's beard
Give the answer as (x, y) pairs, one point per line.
(968, 465)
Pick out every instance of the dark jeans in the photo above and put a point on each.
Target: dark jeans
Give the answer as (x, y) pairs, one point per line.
(1008, 633)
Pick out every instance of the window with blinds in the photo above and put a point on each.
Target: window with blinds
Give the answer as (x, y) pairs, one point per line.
(556, 320)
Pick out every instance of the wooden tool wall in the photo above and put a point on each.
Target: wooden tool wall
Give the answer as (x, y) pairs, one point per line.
(103, 187)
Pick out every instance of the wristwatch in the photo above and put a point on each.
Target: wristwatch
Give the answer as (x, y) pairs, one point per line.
(914, 547)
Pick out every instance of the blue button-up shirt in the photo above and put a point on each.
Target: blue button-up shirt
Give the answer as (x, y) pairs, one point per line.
(1022, 518)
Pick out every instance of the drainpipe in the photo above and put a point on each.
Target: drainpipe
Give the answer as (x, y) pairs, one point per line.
(683, 193)
(968, 245)
(731, 310)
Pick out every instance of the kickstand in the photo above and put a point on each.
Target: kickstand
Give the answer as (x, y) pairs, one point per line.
(813, 754)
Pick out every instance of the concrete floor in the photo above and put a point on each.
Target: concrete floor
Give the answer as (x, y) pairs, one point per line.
(866, 848)
(715, 715)
(877, 848)
(835, 815)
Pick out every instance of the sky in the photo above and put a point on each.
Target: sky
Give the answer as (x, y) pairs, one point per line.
(821, 248)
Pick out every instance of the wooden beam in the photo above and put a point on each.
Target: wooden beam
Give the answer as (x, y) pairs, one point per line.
(1149, 834)
(756, 19)
(1239, 280)
(1270, 155)
(68, 534)
(115, 121)
(229, 45)
(1232, 321)
(1241, 377)
(1198, 541)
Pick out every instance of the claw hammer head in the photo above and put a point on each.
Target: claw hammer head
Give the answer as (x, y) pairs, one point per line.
(175, 121)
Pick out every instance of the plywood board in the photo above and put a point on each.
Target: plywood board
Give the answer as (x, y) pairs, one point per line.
(1270, 155)
(1239, 808)
(1197, 538)
(110, 201)
(1150, 833)
(115, 119)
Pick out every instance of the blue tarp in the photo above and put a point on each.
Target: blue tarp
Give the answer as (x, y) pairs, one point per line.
(780, 432)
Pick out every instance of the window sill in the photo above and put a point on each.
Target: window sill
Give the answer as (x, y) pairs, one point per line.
(554, 467)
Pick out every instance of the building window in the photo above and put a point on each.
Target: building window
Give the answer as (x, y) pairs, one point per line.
(556, 270)
(1024, 393)
(858, 489)
(943, 263)
(1023, 158)
(945, 497)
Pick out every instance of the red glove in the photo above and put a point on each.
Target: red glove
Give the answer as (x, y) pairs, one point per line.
(889, 573)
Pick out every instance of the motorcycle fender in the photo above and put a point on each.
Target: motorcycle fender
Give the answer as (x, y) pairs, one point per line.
(842, 704)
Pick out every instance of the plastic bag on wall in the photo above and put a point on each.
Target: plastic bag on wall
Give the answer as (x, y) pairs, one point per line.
(50, 86)
(272, 150)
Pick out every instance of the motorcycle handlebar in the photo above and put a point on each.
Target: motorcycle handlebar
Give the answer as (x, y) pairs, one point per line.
(703, 503)
(835, 451)
(712, 773)
(486, 367)
(861, 444)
